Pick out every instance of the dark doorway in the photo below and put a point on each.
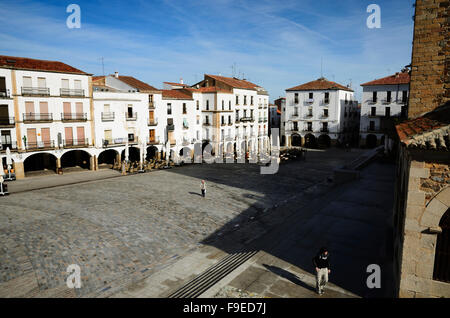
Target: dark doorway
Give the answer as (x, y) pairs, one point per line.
(76, 158)
(44, 162)
(371, 141)
(441, 270)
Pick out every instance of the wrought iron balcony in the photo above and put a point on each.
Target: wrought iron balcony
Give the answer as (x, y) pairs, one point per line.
(5, 94)
(35, 91)
(153, 141)
(37, 117)
(73, 116)
(171, 127)
(119, 141)
(67, 92)
(11, 145)
(6, 121)
(151, 105)
(246, 119)
(308, 116)
(324, 116)
(40, 145)
(153, 122)
(108, 116)
(74, 143)
(206, 123)
(386, 101)
(131, 117)
(309, 101)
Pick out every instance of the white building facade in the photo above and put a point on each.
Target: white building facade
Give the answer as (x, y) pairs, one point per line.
(48, 108)
(319, 113)
(383, 100)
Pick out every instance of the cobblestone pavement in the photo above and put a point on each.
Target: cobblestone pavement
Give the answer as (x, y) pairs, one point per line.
(123, 229)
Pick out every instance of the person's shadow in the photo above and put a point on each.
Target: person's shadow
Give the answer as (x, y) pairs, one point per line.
(195, 193)
(289, 276)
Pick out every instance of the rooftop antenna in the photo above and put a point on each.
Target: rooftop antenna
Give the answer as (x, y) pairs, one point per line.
(321, 67)
(233, 69)
(103, 66)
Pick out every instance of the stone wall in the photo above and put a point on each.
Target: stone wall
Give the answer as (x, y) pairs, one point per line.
(430, 57)
(427, 183)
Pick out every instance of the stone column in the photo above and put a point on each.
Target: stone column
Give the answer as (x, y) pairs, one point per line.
(19, 170)
(94, 163)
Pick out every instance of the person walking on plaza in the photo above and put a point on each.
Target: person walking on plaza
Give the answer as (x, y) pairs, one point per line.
(322, 264)
(203, 188)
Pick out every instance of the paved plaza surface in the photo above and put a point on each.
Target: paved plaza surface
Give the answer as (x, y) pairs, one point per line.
(123, 230)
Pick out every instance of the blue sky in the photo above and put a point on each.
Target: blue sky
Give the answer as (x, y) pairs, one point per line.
(276, 44)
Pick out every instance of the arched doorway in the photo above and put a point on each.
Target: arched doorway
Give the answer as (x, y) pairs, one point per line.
(310, 141)
(441, 270)
(107, 158)
(371, 141)
(40, 163)
(324, 141)
(76, 159)
(152, 153)
(296, 140)
(185, 154)
(133, 154)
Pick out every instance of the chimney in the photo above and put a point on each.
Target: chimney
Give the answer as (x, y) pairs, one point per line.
(181, 80)
(116, 74)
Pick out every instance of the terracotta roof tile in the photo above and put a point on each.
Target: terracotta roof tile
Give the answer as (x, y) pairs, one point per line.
(430, 131)
(395, 79)
(234, 82)
(136, 83)
(24, 63)
(175, 94)
(320, 84)
(176, 84)
(210, 89)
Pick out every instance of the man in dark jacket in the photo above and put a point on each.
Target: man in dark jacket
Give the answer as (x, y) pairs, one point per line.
(322, 264)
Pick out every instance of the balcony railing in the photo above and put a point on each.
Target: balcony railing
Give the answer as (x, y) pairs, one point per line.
(308, 116)
(153, 141)
(153, 122)
(307, 130)
(37, 117)
(11, 145)
(73, 116)
(324, 116)
(372, 101)
(206, 123)
(246, 119)
(295, 114)
(386, 101)
(36, 91)
(108, 116)
(151, 105)
(6, 121)
(48, 144)
(171, 127)
(119, 141)
(324, 130)
(67, 92)
(71, 143)
(131, 117)
(5, 94)
(309, 101)
(373, 115)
